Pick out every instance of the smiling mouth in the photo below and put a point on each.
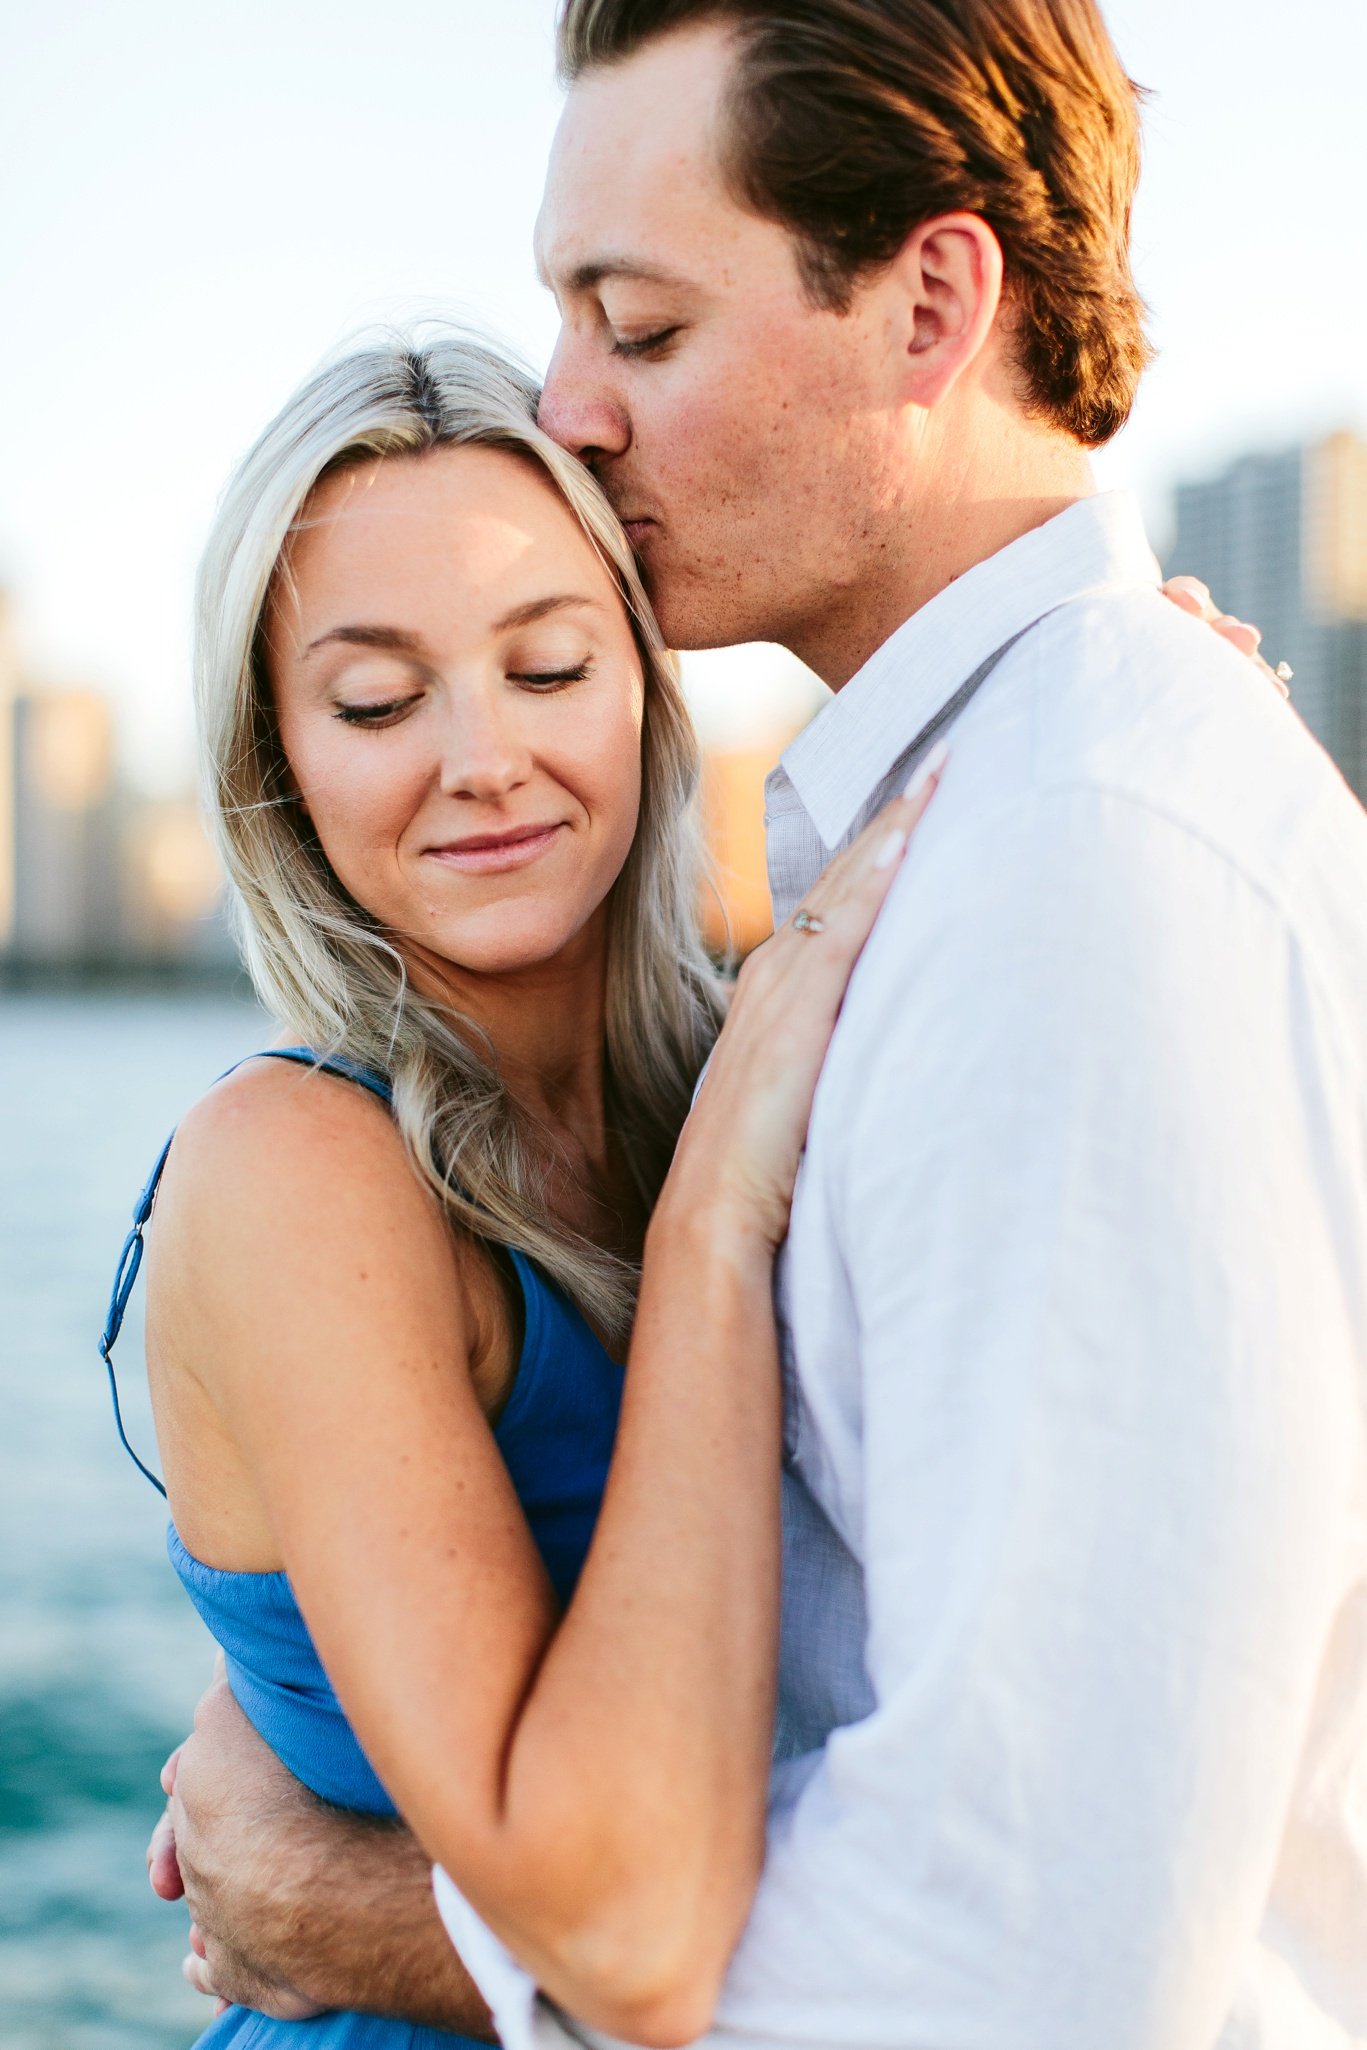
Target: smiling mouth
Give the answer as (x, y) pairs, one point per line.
(492, 853)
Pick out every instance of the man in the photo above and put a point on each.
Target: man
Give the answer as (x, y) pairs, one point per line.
(1074, 1695)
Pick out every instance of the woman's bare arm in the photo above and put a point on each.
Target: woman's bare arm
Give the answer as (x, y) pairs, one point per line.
(597, 1788)
(548, 1773)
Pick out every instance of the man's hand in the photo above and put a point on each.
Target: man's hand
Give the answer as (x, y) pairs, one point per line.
(298, 1907)
(235, 1784)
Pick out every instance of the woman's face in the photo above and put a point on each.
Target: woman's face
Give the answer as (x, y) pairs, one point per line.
(460, 697)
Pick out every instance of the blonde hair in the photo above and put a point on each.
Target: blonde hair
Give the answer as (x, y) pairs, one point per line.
(318, 961)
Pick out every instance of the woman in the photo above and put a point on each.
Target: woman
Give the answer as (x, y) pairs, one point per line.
(396, 1265)
(394, 1272)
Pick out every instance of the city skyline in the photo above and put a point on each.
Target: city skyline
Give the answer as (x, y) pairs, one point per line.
(203, 204)
(93, 874)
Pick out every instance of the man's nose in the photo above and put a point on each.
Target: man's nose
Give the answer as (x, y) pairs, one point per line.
(579, 408)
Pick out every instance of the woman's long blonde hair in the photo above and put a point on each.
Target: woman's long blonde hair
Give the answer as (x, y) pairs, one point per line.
(319, 962)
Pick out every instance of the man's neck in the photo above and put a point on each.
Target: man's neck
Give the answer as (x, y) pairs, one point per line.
(937, 539)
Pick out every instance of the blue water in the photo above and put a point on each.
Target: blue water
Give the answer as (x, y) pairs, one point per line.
(101, 1658)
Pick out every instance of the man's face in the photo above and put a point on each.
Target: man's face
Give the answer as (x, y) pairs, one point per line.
(746, 437)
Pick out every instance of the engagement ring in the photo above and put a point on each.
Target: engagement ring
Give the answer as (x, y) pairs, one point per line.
(807, 921)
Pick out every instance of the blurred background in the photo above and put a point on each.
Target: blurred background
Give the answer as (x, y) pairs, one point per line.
(201, 200)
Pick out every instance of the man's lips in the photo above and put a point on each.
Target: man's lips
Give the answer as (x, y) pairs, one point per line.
(637, 529)
(482, 854)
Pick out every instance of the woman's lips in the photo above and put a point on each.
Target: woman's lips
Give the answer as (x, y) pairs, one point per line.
(493, 853)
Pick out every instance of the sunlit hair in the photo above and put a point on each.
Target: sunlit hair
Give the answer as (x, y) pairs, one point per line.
(320, 963)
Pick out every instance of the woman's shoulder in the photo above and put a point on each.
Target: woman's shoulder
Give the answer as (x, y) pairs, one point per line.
(270, 1093)
(299, 1268)
(273, 1133)
(288, 1169)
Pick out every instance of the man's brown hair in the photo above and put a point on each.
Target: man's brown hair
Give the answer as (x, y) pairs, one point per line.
(852, 121)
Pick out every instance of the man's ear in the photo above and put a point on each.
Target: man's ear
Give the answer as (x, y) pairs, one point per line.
(947, 282)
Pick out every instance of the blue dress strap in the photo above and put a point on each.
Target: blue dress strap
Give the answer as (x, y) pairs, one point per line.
(330, 1063)
(130, 1259)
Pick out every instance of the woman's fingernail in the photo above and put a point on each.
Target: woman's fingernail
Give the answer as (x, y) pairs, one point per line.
(930, 767)
(891, 850)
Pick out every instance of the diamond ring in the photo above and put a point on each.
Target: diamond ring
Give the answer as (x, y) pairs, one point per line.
(808, 922)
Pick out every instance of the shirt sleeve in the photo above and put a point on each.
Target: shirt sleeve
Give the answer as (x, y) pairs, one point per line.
(1087, 1150)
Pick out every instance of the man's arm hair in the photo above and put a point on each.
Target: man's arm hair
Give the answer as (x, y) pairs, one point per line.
(300, 1905)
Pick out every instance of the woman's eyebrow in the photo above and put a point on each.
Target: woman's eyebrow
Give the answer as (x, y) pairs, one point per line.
(393, 639)
(538, 608)
(397, 640)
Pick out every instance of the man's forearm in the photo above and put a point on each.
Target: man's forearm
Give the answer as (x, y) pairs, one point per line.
(358, 1928)
(293, 1897)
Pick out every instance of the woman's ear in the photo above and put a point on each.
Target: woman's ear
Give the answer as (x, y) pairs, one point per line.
(947, 278)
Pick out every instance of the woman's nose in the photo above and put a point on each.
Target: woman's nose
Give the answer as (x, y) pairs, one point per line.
(579, 407)
(484, 754)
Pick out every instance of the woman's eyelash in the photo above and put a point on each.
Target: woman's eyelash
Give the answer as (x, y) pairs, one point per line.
(552, 679)
(372, 715)
(646, 345)
(392, 708)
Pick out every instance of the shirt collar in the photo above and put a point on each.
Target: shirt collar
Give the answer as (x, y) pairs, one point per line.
(838, 761)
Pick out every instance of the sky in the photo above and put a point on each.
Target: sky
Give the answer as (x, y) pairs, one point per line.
(203, 198)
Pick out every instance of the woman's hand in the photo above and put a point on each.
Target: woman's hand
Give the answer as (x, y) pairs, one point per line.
(1189, 594)
(739, 1151)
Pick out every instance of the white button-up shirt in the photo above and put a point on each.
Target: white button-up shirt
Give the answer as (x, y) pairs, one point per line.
(1073, 1724)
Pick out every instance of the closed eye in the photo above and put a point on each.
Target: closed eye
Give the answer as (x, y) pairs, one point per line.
(648, 345)
(551, 679)
(374, 715)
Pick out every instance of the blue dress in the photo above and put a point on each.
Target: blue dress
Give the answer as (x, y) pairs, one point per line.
(555, 1433)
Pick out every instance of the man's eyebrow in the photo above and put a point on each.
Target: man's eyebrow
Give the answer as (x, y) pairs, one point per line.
(393, 639)
(584, 277)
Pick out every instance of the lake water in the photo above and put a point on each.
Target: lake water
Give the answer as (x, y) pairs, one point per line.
(101, 1658)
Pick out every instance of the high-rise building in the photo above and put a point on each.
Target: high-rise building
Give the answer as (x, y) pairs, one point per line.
(735, 906)
(9, 690)
(1282, 539)
(65, 843)
(92, 876)
(174, 887)
(748, 703)
(60, 858)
